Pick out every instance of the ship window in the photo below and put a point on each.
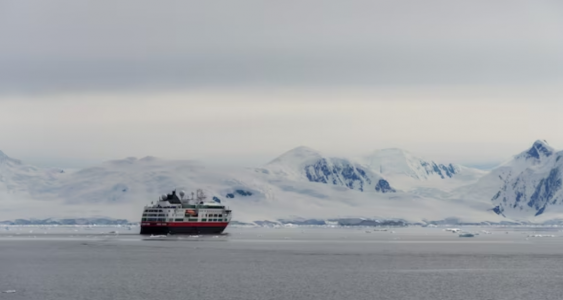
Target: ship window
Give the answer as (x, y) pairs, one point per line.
(179, 220)
(204, 220)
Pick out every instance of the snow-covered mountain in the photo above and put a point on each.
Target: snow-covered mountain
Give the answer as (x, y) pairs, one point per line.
(411, 173)
(17, 177)
(526, 186)
(395, 161)
(306, 164)
(301, 183)
(531, 183)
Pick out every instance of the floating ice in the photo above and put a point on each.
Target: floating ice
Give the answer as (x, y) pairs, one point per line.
(157, 236)
(541, 235)
(9, 291)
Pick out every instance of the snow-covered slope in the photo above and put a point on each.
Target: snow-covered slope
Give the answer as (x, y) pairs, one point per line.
(400, 162)
(23, 187)
(411, 173)
(17, 177)
(306, 164)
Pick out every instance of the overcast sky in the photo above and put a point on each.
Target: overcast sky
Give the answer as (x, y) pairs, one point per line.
(240, 82)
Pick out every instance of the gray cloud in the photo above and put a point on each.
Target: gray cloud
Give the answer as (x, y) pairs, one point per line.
(105, 45)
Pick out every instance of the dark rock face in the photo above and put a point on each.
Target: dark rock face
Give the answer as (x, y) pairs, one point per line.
(441, 170)
(243, 193)
(238, 192)
(545, 191)
(384, 187)
(538, 148)
(343, 173)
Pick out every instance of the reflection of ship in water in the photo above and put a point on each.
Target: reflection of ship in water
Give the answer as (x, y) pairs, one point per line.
(174, 214)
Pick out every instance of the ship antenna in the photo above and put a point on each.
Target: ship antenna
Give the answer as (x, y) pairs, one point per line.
(200, 195)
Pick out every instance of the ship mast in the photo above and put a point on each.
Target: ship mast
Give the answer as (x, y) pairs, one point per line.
(200, 196)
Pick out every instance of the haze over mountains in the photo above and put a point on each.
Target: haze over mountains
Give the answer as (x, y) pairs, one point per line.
(301, 183)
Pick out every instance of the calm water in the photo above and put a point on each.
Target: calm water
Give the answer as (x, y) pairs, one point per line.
(287, 263)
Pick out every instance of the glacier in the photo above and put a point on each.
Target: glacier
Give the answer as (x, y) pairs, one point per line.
(300, 184)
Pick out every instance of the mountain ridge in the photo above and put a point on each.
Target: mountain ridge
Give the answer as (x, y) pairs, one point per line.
(301, 182)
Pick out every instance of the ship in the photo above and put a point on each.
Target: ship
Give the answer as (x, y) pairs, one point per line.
(176, 214)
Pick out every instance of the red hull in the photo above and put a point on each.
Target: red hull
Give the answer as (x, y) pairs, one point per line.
(183, 227)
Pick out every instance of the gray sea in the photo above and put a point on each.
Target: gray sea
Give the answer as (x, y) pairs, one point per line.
(281, 263)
